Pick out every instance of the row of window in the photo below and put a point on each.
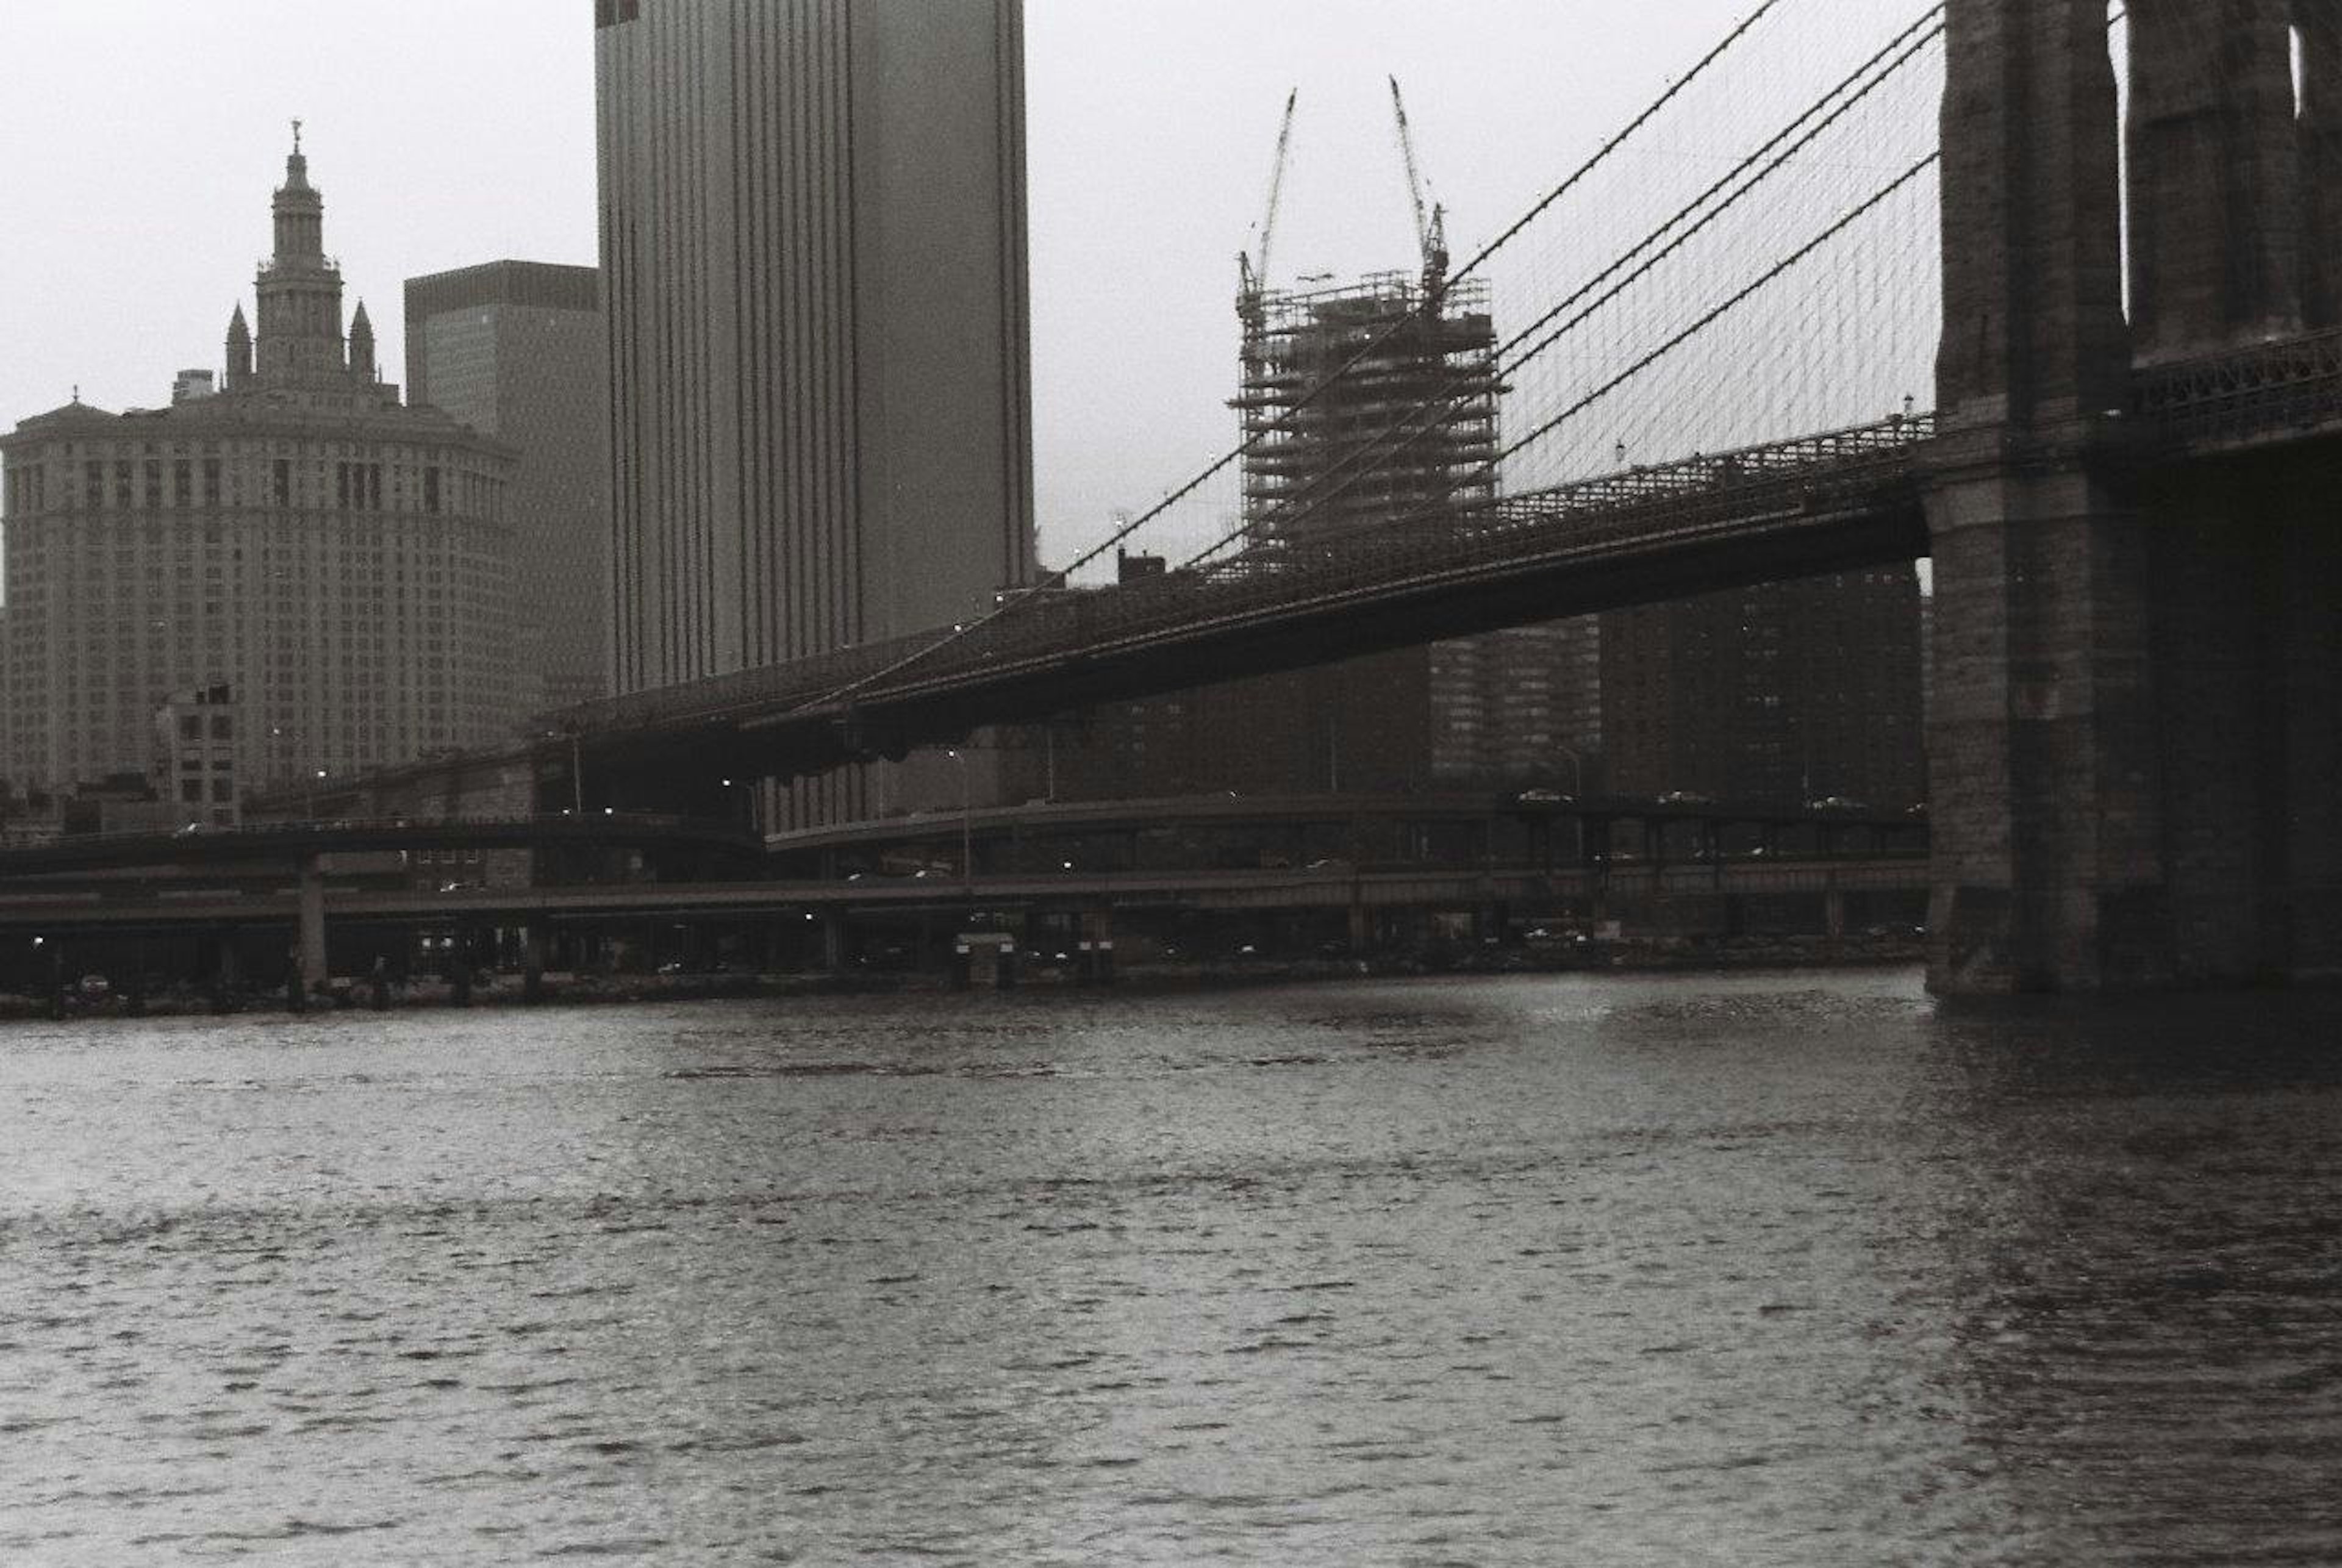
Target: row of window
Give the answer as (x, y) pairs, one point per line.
(156, 484)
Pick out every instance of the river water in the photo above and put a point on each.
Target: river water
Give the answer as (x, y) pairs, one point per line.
(1780, 1270)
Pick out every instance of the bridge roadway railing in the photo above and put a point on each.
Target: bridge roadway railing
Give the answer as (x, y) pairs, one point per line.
(2244, 395)
(1645, 506)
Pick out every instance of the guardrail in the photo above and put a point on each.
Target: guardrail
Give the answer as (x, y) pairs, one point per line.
(2244, 394)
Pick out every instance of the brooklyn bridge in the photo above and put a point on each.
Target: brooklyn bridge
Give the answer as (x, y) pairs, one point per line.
(2122, 236)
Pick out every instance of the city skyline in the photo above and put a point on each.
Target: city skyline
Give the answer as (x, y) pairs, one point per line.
(1150, 133)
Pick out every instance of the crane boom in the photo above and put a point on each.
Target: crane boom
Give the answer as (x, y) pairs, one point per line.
(1256, 267)
(1431, 225)
(1413, 174)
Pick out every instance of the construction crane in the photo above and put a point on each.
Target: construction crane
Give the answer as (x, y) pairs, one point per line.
(1430, 224)
(1252, 271)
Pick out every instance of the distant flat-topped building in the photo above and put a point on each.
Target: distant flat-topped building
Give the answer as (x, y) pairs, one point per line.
(341, 561)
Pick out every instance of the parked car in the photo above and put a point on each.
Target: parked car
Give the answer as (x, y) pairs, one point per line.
(1685, 797)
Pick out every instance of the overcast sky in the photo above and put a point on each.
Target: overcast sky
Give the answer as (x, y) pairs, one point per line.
(142, 138)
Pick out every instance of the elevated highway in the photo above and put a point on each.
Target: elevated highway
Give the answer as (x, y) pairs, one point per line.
(24, 912)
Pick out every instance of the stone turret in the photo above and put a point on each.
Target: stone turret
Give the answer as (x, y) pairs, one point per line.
(362, 352)
(239, 352)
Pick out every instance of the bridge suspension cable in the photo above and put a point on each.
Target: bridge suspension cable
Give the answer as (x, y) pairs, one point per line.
(1014, 599)
(1452, 400)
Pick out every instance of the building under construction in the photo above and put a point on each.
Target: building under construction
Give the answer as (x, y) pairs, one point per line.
(1368, 404)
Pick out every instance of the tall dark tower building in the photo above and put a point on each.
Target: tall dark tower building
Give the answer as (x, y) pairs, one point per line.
(813, 247)
(515, 350)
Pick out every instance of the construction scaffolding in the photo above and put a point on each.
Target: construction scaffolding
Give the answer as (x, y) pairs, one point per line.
(1365, 404)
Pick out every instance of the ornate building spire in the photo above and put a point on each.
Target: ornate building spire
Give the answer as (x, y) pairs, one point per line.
(300, 336)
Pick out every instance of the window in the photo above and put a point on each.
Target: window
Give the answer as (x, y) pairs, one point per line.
(221, 727)
(191, 726)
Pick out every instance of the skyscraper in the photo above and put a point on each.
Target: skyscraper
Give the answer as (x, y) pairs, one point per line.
(515, 350)
(813, 245)
(338, 563)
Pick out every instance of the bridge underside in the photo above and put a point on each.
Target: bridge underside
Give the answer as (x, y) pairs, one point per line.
(639, 768)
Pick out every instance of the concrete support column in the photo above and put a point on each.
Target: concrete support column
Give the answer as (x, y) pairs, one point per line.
(1361, 923)
(1096, 950)
(313, 966)
(833, 941)
(534, 943)
(1833, 912)
(2045, 781)
(224, 975)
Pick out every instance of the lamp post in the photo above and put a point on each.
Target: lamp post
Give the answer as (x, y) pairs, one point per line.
(966, 833)
(310, 808)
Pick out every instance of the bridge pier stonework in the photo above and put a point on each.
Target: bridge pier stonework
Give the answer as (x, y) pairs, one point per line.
(2134, 663)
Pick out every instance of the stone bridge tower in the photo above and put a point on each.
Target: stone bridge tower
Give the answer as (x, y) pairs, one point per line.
(2133, 748)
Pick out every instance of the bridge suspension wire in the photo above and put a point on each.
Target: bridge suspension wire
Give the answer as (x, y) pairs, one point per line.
(1724, 308)
(1016, 599)
(1740, 297)
(1451, 401)
(1602, 154)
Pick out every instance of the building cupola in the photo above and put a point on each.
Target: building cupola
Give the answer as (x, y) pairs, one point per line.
(300, 209)
(299, 336)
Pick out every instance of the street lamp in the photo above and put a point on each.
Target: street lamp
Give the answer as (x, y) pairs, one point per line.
(310, 809)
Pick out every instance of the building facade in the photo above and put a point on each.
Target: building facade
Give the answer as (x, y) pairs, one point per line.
(1784, 692)
(812, 249)
(194, 758)
(340, 562)
(515, 350)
